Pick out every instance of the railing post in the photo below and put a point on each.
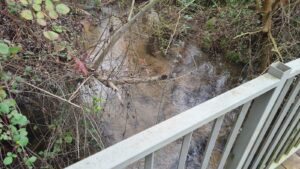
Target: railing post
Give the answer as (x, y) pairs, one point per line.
(212, 141)
(277, 152)
(149, 161)
(294, 141)
(261, 137)
(184, 150)
(256, 118)
(270, 140)
(280, 136)
(234, 134)
(290, 142)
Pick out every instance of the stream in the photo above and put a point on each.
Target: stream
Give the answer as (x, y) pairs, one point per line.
(196, 77)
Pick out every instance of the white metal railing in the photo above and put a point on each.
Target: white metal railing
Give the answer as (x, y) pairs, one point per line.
(266, 132)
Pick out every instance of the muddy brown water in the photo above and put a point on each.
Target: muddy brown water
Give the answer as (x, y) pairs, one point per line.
(197, 77)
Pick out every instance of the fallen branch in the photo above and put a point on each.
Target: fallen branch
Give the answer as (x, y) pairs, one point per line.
(76, 91)
(247, 33)
(132, 80)
(53, 95)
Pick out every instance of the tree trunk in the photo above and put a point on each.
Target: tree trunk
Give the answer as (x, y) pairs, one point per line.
(267, 10)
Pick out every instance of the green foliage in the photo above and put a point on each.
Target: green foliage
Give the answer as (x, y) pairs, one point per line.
(206, 41)
(14, 50)
(13, 130)
(12, 123)
(96, 108)
(29, 161)
(51, 35)
(210, 24)
(233, 56)
(37, 10)
(9, 158)
(57, 147)
(26, 14)
(224, 43)
(62, 9)
(8, 49)
(57, 28)
(4, 49)
(68, 138)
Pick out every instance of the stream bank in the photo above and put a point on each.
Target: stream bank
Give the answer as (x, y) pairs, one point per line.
(194, 77)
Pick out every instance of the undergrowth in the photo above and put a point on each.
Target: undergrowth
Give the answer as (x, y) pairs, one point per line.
(41, 124)
(231, 29)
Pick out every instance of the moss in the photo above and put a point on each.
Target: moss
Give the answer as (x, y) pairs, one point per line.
(224, 42)
(233, 56)
(206, 41)
(210, 24)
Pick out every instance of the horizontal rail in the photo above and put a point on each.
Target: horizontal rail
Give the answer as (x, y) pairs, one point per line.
(295, 67)
(148, 141)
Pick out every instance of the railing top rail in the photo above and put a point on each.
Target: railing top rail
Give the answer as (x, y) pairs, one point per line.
(295, 67)
(148, 141)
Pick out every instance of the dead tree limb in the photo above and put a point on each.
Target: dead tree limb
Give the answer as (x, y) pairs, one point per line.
(116, 36)
(122, 81)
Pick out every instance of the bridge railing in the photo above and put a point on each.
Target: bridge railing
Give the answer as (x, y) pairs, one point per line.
(266, 131)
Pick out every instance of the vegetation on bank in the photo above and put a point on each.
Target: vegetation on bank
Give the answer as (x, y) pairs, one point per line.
(245, 32)
(42, 125)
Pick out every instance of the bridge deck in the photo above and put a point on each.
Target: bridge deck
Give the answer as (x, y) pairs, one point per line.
(292, 163)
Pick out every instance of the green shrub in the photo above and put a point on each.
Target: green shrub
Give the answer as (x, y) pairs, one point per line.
(233, 56)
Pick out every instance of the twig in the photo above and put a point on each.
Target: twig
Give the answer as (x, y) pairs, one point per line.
(76, 91)
(176, 26)
(77, 136)
(131, 10)
(275, 49)
(108, 2)
(116, 89)
(82, 11)
(186, 6)
(53, 95)
(173, 34)
(247, 33)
